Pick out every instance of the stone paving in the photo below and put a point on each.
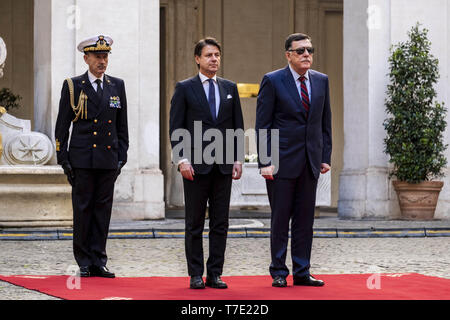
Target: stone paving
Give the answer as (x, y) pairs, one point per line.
(138, 257)
(325, 226)
(244, 256)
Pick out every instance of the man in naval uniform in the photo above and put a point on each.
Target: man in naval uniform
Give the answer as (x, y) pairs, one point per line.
(95, 105)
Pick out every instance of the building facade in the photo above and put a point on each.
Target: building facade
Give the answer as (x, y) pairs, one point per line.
(153, 49)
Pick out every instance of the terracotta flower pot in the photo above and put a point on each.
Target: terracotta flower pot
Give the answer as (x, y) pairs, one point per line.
(418, 201)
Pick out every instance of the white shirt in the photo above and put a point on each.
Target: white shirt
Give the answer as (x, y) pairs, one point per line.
(298, 83)
(92, 79)
(204, 79)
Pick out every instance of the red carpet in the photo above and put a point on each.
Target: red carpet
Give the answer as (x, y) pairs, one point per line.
(409, 286)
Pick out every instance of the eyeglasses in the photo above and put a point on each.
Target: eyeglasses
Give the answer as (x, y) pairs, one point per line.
(301, 51)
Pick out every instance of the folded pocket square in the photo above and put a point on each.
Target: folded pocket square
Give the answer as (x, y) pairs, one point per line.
(229, 96)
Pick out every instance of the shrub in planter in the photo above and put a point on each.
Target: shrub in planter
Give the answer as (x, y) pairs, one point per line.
(8, 99)
(416, 122)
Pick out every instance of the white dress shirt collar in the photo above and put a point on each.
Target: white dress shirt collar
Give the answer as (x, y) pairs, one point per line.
(204, 78)
(92, 78)
(296, 75)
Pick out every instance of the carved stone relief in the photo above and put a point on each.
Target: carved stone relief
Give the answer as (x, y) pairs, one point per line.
(20, 145)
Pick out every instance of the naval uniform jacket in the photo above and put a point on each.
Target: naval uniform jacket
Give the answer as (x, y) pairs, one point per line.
(99, 139)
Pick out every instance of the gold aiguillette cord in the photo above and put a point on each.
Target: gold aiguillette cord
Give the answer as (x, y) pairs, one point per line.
(81, 109)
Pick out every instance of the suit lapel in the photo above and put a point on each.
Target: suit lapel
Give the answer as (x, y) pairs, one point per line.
(314, 87)
(106, 95)
(223, 97)
(199, 92)
(289, 82)
(89, 90)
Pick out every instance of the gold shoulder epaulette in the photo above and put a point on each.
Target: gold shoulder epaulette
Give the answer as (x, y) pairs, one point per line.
(81, 109)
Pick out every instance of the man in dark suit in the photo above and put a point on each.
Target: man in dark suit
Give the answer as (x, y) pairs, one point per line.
(296, 102)
(96, 106)
(206, 103)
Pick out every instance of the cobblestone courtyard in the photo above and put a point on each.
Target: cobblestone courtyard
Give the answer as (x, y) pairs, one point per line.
(244, 256)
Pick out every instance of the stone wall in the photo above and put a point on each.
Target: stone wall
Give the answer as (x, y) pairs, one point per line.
(370, 28)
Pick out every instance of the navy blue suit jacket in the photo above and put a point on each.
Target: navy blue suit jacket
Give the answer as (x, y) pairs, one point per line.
(302, 138)
(189, 104)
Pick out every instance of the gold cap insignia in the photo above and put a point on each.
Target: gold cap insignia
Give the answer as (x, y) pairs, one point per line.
(99, 43)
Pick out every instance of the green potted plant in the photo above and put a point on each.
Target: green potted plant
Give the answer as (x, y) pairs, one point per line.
(8, 99)
(415, 126)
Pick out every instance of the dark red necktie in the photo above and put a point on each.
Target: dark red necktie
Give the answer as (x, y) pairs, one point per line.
(305, 97)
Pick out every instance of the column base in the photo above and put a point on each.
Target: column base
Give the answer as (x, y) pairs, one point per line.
(139, 195)
(367, 194)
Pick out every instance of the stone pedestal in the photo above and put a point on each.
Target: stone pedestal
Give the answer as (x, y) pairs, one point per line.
(250, 191)
(138, 195)
(34, 196)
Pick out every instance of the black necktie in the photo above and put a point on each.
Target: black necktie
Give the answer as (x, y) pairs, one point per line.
(212, 99)
(99, 88)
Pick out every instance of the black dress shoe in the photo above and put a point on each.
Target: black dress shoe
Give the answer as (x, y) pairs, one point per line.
(197, 283)
(279, 282)
(84, 272)
(215, 282)
(308, 281)
(101, 272)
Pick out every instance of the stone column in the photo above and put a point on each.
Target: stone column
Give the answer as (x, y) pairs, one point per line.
(370, 27)
(54, 36)
(364, 185)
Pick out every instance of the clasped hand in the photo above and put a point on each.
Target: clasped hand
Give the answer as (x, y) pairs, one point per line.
(267, 172)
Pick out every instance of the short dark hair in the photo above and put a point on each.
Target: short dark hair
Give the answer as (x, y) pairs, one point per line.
(295, 37)
(205, 42)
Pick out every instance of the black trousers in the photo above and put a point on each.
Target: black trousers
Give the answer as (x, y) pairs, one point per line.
(213, 188)
(92, 199)
(292, 199)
